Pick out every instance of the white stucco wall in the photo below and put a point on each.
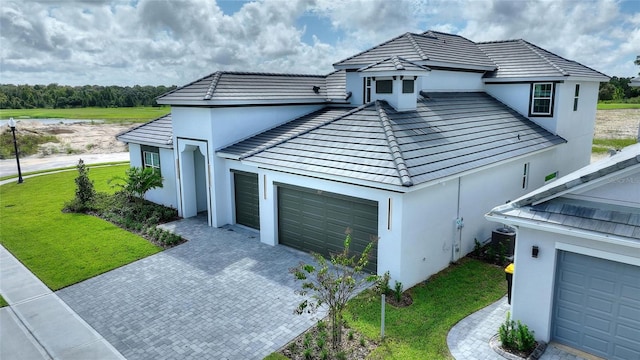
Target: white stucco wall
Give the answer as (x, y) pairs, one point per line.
(167, 194)
(623, 191)
(441, 80)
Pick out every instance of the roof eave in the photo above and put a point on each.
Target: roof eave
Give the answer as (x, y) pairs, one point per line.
(561, 229)
(319, 101)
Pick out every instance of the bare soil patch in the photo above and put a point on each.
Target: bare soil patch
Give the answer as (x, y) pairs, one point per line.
(78, 138)
(616, 124)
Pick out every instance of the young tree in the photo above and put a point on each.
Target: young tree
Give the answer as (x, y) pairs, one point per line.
(332, 283)
(85, 193)
(138, 181)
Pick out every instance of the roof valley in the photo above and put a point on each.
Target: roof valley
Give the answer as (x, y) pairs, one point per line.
(396, 153)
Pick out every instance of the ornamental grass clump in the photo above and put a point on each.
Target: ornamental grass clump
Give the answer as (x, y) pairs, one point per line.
(516, 337)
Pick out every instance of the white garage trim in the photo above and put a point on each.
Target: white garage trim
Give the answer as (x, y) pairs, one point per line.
(598, 254)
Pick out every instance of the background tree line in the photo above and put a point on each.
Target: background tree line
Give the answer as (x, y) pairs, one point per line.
(62, 96)
(618, 89)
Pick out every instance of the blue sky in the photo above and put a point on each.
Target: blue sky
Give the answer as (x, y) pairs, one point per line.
(173, 42)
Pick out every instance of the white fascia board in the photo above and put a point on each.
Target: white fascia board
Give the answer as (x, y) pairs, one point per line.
(454, 66)
(340, 179)
(224, 155)
(251, 102)
(562, 230)
(525, 79)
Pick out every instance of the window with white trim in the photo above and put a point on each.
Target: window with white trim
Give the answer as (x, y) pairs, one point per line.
(575, 97)
(151, 157)
(541, 99)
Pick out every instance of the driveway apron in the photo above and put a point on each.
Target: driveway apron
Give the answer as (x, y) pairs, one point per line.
(221, 295)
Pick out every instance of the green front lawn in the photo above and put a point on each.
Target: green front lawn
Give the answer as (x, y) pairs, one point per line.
(419, 331)
(127, 114)
(3, 302)
(63, 249)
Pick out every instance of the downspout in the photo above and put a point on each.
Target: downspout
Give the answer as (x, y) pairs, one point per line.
(457, 240)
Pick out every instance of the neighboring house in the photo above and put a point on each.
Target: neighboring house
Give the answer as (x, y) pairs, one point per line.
(411, 141)
(582, 288)
(635, 82)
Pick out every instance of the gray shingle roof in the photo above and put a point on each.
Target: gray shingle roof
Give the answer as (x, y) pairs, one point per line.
(246, 88)
(521, 59)
(548, 204)
(449, 133)
(429, 48)
(158, 132)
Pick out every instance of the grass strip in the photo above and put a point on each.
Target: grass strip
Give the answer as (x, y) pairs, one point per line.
(3, 302)
(126, 114)
(419, 331)
(63, 249)
(601, 146)
(617, 106)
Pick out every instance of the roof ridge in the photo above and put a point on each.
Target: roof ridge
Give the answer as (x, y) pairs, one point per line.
(212, 86)
(563, 58)
(417, 47)
(184, 86)
(259, 150)
(536, 49)
(394, 147)
(371, 48)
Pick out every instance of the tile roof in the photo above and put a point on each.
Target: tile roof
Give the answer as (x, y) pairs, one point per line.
(548, 204)
(226, 87)
(394, 63)
(635, 82)
(158, 132)
(430, 48)
(522, 59)
(447, 134)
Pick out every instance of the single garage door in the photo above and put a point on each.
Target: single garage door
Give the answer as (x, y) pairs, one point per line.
(597, 306)
(311, 220)
(246, 197)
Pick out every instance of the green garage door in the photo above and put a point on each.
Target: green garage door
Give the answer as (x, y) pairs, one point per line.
(311, 220)
(597, 306)
(246, 196)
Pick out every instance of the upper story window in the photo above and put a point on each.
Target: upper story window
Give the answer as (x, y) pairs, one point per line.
(541, 99)
(384, 86)
(575, 97)
(151, 157)
(367, 90)
(407, 86)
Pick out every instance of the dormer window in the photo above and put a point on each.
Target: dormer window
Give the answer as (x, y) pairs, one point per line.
(407, 86)
(384, 86)
(541, 99)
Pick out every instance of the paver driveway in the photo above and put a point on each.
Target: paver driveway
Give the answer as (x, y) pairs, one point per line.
(221, 295)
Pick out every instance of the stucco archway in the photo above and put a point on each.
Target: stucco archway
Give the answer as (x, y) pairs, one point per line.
(195, 194)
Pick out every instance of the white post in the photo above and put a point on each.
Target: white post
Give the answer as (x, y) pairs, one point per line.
(382, 319)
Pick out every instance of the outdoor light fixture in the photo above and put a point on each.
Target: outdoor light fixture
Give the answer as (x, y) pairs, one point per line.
(12, 125)
(534, 251)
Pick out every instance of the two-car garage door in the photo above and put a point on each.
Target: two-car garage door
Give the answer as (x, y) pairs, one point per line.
(316, 221)
(597, 306)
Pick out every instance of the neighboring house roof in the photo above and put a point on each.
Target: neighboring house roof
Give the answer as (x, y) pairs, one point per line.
(232, 88)
(635, 82)
(447, 134)
(158, 132)
(431, 48)
(521, 59)
(548, 204)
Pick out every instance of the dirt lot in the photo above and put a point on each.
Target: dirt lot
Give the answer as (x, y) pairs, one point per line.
(84, 138)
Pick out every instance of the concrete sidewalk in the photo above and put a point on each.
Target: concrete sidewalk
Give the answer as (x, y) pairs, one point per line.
(38, 324)
(33, 163)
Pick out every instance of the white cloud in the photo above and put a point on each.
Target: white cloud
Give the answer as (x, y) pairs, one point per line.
(176, 41)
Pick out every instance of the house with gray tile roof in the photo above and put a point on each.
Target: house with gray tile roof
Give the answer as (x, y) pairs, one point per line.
(410, 142)
(577, 257)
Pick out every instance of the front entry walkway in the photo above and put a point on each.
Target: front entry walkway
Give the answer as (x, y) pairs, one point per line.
(221, 295)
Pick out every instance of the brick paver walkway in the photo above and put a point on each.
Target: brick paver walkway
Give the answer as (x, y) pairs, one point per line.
(221, 295)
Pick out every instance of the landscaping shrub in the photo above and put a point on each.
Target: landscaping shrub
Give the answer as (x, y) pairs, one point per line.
(516, 336)
(85, 193)
(138, 181)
